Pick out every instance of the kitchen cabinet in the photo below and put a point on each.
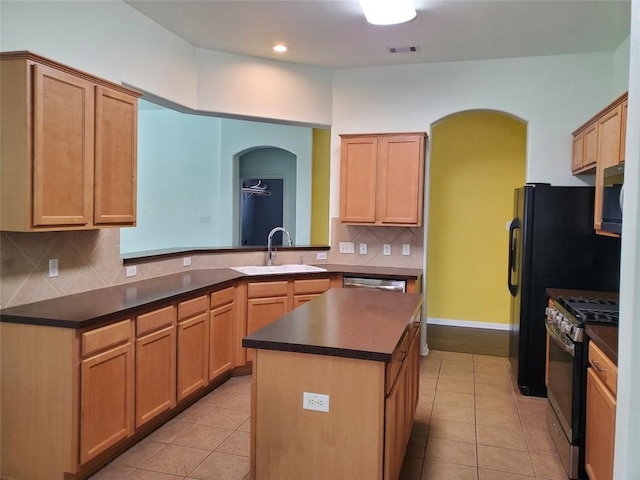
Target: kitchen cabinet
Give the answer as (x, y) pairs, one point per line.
(222, 334)
(155, 363)
(602, 141)
(306, 290)
(107, 388)
(68, 154)
(193, 346)
(266, 302)
(600, 415)
(382, 179)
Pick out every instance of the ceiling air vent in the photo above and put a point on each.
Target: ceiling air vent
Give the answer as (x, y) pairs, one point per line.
(410, 49)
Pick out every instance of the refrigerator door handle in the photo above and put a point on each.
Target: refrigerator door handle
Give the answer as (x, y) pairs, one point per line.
(515, 224)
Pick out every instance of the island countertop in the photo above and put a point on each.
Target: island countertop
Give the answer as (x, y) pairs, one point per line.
(352, 323)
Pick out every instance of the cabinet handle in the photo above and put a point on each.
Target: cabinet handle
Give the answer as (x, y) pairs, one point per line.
(599, 369)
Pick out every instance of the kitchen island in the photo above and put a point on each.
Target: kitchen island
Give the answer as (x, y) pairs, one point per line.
(335, 387)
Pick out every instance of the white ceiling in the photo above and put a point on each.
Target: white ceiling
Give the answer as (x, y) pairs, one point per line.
(334, 33)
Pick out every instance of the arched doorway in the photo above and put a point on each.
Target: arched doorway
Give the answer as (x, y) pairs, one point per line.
(477, 160)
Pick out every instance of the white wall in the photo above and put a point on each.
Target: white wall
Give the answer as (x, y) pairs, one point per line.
(620, 82)
(627, 446)
(549, 93)
(114, 41)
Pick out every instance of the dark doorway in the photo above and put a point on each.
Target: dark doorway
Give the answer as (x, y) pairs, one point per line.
(261, 210)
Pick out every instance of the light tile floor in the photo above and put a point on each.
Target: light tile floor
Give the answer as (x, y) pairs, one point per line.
(471, 424)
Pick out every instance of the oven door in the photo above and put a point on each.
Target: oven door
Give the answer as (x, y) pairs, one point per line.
(560, 377)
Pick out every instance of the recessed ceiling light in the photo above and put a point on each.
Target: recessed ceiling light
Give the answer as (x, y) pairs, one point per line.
(280, 48)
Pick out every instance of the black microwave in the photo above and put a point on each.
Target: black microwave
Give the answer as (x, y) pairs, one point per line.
(612, 196)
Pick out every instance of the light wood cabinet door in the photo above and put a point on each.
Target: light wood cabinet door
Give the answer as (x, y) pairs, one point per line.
(115, 158)
(221, 340)
(590, 154)
(609, 130)
(358, 173)
(155, 374)
(106, 400)
(577, 151)
(63, 125)
(261, 312)
(600, 429)
(382, 179)
(192, 355)
(400, 179)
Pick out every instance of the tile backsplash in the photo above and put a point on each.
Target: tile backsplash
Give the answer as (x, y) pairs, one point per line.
(88, 260)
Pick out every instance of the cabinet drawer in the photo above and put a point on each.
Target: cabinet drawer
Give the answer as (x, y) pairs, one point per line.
(105, 337)
(222, 297)
(155, 320)
(316, 285)
(267, 289)
(604, 368)
(193, 307)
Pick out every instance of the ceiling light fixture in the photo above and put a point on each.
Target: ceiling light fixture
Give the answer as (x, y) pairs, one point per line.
(280, 48)
(388, 12)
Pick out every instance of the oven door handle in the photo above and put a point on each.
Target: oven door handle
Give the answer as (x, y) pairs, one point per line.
(554, 335)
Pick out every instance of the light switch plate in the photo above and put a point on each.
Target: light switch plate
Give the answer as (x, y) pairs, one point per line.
(53, 267)
(347, 247)
(386, 249)
(363, 249)
(130, 271)
(186, 261)
(406, 249)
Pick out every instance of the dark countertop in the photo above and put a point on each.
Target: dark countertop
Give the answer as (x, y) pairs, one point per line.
(353, 323)
(606, 338)
(101, 306)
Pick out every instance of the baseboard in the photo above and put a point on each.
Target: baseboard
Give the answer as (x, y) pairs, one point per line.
(467, 323)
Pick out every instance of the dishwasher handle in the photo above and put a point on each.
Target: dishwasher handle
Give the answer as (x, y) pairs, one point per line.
(375, 284)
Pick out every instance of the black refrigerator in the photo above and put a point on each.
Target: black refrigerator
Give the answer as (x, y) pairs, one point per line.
(552, 244)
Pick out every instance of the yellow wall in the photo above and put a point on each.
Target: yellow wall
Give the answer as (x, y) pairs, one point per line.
(477, 160)
(320, 173)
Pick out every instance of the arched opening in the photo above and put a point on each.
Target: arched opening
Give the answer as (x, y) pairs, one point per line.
(477, 159)
(267, 185)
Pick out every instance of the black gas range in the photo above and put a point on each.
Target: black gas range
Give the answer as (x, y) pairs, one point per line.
(566, 316)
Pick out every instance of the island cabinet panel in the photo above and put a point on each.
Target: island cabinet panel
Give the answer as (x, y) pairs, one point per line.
(155, 364)
(68, 154)
(193, 346)
(223, 332)
(291, 442)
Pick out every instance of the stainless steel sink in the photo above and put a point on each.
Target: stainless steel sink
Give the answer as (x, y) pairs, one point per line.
(277, 269)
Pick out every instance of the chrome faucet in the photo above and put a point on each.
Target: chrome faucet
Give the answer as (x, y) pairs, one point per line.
(270, 254)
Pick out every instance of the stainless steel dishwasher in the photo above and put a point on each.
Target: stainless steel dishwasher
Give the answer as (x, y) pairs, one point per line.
(375, 284)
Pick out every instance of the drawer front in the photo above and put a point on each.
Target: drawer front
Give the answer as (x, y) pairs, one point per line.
(105, 337)
(155, 320)
(191, 308)
(222, 297)
(316, 285)
(604, 368)
(267, 289)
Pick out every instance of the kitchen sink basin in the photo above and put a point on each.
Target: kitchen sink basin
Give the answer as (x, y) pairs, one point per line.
(276, 269)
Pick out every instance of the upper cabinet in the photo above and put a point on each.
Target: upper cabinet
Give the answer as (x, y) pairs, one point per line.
(382, 179)
(68, 153)
(598, 144)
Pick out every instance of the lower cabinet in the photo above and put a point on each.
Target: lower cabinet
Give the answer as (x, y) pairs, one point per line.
(107, 388)
(601, 415)
(155, 363)
(400, 408)
(266, 302)
(222, 332)
(192, 346)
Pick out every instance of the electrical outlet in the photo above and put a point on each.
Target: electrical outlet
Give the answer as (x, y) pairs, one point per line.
(130, 271)
(321, 256)
(53, 267)
(347, 247)
(315, 401)
(386, 249)
(186, 261)
(205, 218)
(406, 249)
(363, 249)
